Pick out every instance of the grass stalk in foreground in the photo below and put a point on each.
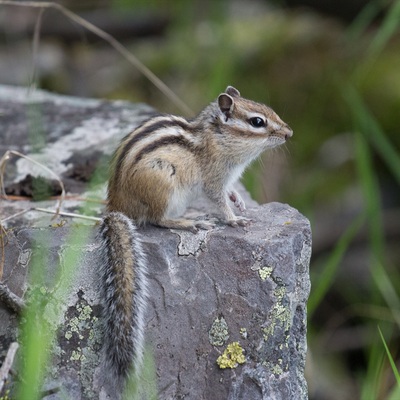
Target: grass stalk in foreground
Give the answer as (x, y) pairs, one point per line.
(44, 311)
(392, 363)
(369, 135)
(327, 274)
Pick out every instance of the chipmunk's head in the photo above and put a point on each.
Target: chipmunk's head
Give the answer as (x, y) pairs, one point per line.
(250, 119)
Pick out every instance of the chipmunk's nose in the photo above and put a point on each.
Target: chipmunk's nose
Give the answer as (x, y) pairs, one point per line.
(288, 133)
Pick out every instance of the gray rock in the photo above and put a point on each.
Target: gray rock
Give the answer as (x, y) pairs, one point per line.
(208, 290)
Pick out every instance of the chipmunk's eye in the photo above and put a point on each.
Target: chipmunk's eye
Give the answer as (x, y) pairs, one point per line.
(257, 122)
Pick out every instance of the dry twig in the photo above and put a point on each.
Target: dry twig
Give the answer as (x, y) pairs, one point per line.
(11, 300)
(65, 214)
(7, 364)
(3, 233)
(35, 47)
(7, 156)
(112, 41)
(75, 197)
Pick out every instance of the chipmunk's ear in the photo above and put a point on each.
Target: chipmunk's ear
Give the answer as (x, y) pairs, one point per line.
(232, 91)
(226, 103)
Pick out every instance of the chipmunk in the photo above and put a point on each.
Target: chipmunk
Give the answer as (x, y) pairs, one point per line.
(155, 173)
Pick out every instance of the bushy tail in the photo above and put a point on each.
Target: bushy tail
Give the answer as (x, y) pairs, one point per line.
(123, 293)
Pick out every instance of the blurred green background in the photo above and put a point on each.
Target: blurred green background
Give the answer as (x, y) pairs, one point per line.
(331, 70)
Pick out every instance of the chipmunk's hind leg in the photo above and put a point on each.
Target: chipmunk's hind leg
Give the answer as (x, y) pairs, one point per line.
(185, 224)
(177, 189)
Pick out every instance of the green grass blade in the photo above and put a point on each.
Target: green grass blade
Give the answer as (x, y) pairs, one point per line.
(392, 363)
(371, 381)
(363, 20)
(371, 129)
(386, 31)
(327, 275)
(387, 290)
(370, 188)
(35, 333)
(395, 394)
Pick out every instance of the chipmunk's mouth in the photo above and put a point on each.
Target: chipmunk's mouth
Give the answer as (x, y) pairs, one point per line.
(282, 135)
(276, 140)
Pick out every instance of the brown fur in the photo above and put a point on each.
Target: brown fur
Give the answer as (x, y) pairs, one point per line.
(158, 165)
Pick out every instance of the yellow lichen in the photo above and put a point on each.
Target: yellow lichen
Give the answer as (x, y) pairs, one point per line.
(265, 272)
(232, 356)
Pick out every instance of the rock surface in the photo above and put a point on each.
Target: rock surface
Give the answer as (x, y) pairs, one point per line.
(208, 290)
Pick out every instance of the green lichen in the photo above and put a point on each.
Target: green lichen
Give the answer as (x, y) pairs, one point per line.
(218, 334)
(79, 323)
(86, 312)
(84, 339)
(268, 331)
(280, 292)
(90, 337)
(74, 324)
(44, 290)
(265, 272)
(232, 356)
(76, 355)
(6, 395)
(279, 315)
(277, 369)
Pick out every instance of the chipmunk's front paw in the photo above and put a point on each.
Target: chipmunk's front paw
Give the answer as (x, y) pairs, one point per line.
(235, 198)
(239, 221)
